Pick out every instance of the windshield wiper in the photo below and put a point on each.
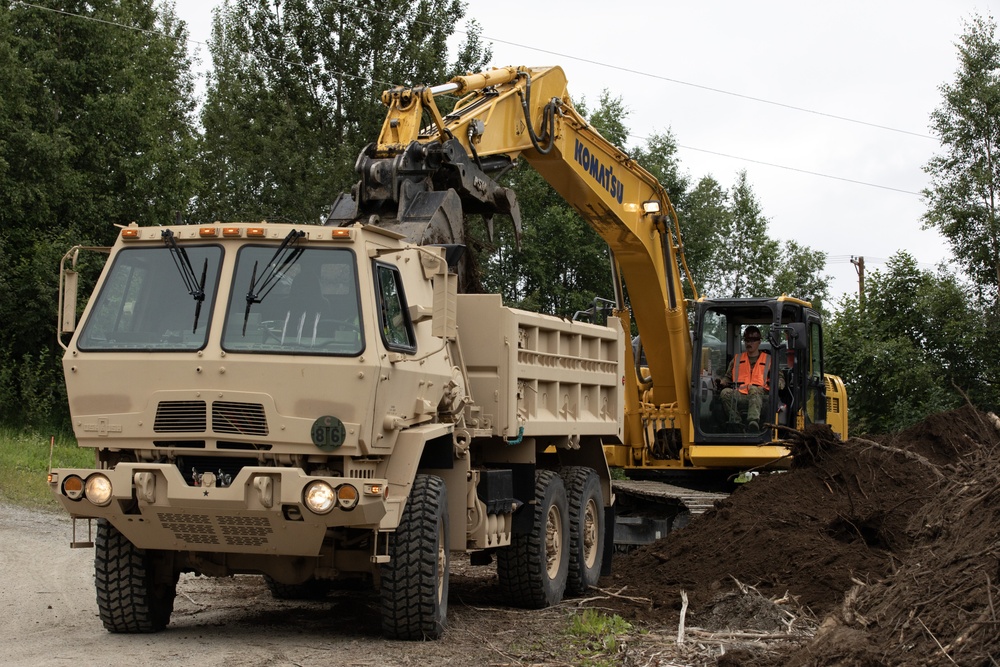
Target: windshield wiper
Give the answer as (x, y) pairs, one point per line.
(195, 287)
(284, 257)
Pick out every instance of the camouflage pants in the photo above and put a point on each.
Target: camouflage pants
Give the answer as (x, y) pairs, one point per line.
(735, 402)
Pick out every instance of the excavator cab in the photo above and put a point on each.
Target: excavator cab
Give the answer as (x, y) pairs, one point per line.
(789, 391)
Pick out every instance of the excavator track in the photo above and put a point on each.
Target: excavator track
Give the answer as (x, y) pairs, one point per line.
(649, 510)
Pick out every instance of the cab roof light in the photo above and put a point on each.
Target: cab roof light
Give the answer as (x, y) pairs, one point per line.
(341, 233)
(232, 231)
(130, 233)
(257, 232)
(209, 232)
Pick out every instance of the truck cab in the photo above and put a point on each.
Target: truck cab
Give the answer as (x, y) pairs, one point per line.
(295, 402)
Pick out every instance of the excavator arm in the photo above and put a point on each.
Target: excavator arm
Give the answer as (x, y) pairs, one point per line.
(429, 168)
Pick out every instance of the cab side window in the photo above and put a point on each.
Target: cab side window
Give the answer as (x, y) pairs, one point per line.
(394, 317)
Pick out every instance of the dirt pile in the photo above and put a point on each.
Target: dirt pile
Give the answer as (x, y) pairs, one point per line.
(895, 543)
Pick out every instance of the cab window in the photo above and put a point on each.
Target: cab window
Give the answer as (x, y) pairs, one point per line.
(394, 318)
(144, 303)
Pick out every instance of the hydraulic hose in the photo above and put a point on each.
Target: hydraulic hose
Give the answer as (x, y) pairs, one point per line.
(548, 119)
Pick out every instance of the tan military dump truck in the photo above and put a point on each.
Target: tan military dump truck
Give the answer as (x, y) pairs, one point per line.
(315, 403)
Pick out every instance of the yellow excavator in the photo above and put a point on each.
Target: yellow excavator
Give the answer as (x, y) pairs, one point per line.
(430, 168)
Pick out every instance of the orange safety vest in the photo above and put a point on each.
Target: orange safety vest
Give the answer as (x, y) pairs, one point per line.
(760, 375)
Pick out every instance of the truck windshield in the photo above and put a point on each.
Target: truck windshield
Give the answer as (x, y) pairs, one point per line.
(144, 303)
(312, 307)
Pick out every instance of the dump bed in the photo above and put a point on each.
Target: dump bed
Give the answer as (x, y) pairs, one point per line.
(546, 375)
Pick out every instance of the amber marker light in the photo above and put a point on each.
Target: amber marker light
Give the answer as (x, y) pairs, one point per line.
(341, 233)
(257, 232)
(130, 234)
(209, 232)
(347, 497)
(72, 487)
(231, 231)
(374, 489)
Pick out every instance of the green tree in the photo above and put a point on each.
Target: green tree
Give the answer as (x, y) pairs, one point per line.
(658, 156)
(799, 272)
(749, 254)
(705, 219)
(608, 118)
(917, 348)
(965, 178)
(96, 129)
(730, 251)
(294, 95)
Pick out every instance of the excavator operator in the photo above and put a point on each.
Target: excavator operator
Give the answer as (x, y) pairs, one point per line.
(746, 383)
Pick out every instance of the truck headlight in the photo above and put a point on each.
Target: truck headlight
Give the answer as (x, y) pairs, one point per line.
(98, 489)
(319, 497)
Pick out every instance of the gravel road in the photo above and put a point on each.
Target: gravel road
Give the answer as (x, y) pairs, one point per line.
(49, 612)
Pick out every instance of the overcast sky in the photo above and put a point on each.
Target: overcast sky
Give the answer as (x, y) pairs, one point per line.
(691, 67)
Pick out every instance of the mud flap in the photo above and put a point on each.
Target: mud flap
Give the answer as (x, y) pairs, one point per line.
(609, 540)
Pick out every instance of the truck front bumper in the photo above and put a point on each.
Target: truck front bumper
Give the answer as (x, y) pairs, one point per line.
(263, 510)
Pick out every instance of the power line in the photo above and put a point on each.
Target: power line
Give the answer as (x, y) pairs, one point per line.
(659, 77)
(567, 56)
(712, 89)
(187, 40)
(145, 31)
(801, 171)
(619, 68)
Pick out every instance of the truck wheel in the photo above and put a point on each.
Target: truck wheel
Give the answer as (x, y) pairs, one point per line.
(586, 528)
(414, 586)
(135, 588)
(533, 569)
(313, 589)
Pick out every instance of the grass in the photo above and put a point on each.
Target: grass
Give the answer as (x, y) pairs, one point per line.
(595, 636)
(24, 463)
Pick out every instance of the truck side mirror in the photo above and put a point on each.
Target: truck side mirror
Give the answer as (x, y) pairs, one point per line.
(69, 285)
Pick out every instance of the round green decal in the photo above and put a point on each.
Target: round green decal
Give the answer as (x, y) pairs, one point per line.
(328, 433)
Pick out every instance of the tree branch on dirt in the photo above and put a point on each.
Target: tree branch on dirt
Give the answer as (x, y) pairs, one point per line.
(922, 460)
(645, 602)
(680, 623)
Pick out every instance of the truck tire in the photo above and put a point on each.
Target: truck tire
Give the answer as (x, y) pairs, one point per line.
(313, 589)
(135, 589)
(586, 528)
(534, 568)
(414, 586)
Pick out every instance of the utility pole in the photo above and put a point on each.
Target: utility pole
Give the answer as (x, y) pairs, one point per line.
(859, 266)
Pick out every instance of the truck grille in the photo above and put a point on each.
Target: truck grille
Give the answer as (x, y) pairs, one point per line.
(227, 417)
(180, 417)
(240, 418)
